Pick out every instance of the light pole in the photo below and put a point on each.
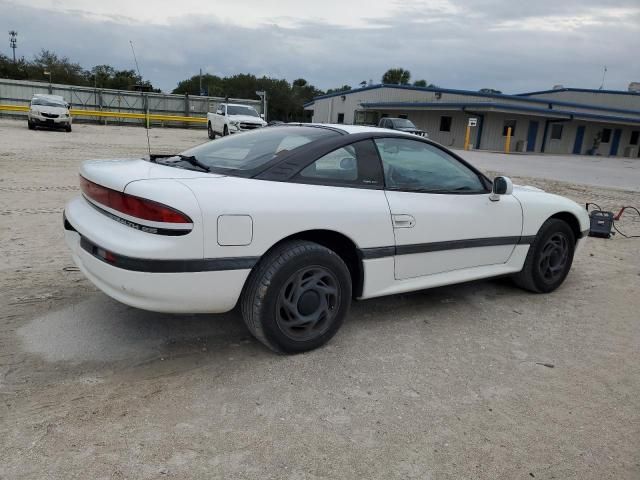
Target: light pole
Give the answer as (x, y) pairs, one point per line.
(13, 42)
(49, 73)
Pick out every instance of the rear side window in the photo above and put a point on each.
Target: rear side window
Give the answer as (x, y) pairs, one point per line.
(341, 164)
(354, 165)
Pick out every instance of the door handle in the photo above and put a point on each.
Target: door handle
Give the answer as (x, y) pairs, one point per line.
(403, 221)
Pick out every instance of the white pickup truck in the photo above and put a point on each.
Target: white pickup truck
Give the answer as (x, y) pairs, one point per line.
(233, 118)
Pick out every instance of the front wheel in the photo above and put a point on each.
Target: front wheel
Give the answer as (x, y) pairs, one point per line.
(67, 128)
(297, 297)
(31, 125)
(549, 258)
(210, 132)
(225, 132)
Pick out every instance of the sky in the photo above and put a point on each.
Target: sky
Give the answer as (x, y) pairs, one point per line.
(512, 46)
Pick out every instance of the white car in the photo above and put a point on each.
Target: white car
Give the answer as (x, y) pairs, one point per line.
(50, 111)
(232, 118)
(294, 221)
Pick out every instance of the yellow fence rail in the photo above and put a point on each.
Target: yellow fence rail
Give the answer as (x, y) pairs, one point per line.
(108, 114)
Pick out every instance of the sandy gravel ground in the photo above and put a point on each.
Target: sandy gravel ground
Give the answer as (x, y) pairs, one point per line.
(442, 384)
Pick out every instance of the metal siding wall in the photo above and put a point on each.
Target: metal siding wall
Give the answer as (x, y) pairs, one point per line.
(19, 92)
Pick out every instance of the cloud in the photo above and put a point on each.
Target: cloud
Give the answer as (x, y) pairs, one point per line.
(511, 46)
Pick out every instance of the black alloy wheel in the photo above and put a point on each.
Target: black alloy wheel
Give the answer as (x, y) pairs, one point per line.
(549, 258)
(297, 297)
(308, 303)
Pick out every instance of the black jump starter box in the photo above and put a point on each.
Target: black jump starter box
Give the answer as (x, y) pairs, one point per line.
(601, 223)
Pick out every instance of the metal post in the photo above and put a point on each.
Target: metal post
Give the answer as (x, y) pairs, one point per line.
(467, 137)
(146, 98)
(507, 142)
(186, 108)
(264, 106)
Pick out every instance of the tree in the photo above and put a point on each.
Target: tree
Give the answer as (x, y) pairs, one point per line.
(62, 70)
(65, 71)
(420, 83)
(396, 76)
(489, 90)
(285, 101)
(363, 83)
(343, 88)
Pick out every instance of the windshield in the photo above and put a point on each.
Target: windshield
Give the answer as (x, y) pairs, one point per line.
(241, 110)
(250, 150)
(403, 123)
(48, 102)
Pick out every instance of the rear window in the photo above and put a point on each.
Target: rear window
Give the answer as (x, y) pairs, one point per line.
(250, 150)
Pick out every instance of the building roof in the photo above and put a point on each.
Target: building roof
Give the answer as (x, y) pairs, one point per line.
(532, 103)
(585, 90)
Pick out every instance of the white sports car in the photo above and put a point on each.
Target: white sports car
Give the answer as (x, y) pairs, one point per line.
(294, 221)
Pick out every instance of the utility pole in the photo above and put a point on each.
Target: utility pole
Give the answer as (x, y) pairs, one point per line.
(201, 91)
(13, 42)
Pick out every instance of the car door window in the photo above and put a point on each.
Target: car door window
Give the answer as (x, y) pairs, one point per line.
(355, 165)
(341, 164)
(418, 166)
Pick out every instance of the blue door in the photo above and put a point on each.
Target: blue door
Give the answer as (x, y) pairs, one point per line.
(616, 141)
(531, 136)
(577, 145)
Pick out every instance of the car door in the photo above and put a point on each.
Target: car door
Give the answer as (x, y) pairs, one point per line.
(442, 216)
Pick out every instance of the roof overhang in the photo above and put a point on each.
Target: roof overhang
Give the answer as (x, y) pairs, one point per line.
(501, 108)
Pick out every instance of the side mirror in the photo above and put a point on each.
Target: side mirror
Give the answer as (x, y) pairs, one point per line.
(219, 112)
(501, 186)
(348, 163)
(262, 116)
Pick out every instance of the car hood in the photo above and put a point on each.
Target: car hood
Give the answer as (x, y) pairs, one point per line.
(48, 109)
(527, 188)
(118, 173)
(247, 119)
(409, 129)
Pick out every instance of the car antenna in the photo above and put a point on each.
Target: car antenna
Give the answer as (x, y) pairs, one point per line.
(146, 127)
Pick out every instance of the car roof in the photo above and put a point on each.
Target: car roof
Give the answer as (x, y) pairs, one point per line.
(47, 96)
(353, 129)
(237, 105)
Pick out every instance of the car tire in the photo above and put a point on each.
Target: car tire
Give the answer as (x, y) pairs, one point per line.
(225, 132)
(549, 258)
(31, 125)
(67, 128)
(210, 132)
(297, 297)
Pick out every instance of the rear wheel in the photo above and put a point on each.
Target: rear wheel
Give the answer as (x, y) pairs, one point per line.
(549, 258)
(210, 132)
(297, 297)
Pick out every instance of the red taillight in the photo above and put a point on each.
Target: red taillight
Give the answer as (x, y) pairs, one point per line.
(130, 205)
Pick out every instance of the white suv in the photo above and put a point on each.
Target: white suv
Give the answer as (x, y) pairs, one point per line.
(49, 111)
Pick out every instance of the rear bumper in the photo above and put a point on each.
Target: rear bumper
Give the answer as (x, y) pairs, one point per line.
(161, 285)
(181, 292)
